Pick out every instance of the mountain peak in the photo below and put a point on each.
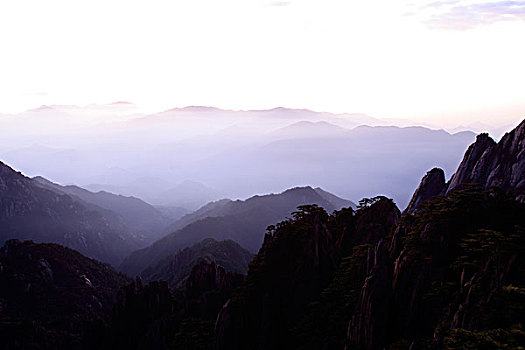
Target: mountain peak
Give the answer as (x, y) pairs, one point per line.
(486, 163)
(433, 184)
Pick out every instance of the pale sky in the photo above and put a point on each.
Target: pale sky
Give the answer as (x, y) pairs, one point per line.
(449, 61)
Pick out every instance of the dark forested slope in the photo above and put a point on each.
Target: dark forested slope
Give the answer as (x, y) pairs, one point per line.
(52, 296)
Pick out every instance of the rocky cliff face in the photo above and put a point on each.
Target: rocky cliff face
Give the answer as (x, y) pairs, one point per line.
(433, 184)
(490, 164)
(485, 163)
(444, 272)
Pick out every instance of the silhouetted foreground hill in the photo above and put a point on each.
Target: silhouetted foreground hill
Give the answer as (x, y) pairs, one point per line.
(50, 295)
(177, 267)
(152, 317)
(449, 277)
(241, 221)
(30, 211)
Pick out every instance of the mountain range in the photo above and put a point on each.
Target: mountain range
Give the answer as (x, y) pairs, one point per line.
(142, 219)
(109, 227)
(31, 211)
(225, 153)
(446, 273)
(242, 221)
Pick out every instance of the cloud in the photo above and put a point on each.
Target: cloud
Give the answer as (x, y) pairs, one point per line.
(37, 94)
(279, 3)
(449, 15)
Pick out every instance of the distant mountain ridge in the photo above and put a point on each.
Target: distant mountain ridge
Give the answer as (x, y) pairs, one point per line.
(279, 202)
(142, 219)
(30, 211)
(241, 221)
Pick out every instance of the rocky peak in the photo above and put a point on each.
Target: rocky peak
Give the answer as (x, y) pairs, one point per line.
(433, 184)
(474, 165)
(490, 164)
(485, 163)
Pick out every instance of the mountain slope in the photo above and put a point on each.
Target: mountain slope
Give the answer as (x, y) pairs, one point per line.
(51, 295)
(297, 261)
(28, 211)
(284, 202)
(142, 219)
(241, 221)
(177, 267)
(449, 277)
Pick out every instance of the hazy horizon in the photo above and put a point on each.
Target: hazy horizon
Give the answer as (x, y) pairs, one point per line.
(189, 156)
(208, 100)
(444, 62)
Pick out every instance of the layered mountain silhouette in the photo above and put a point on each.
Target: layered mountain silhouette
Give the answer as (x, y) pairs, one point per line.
(176, 268)
(181, 198)
(361, 162)
(30, 210)
(140, 218)
(241, 221)
(151, 157)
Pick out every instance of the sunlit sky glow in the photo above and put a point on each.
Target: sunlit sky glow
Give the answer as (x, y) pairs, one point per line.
(448, 61)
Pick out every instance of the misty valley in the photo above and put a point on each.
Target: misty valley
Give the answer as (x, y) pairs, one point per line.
(268, 229)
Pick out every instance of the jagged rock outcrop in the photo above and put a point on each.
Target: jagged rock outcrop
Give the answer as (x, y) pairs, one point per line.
(433, 184)
(490, 164)
(477, 162)
(453, 267)
(485, 163)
